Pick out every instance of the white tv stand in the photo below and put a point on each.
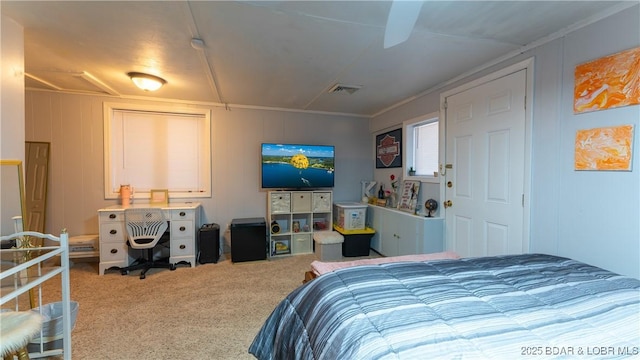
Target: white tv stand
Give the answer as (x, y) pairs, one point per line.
(293, 217)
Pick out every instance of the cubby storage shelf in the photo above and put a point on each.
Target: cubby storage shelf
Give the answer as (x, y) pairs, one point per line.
(293, 218)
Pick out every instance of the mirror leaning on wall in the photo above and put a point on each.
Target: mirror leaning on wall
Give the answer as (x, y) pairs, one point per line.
(12, 209)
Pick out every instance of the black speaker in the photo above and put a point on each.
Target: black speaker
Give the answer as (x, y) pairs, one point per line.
(209, 243)
(275, 227)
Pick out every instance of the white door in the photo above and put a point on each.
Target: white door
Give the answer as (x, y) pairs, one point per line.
(485, 167)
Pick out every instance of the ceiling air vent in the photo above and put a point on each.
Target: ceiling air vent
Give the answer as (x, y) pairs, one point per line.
(344, 88)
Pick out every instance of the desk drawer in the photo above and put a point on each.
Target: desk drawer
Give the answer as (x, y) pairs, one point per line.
(182, 247)
(110, 216)
(112, 232)
(113, 251)
(182, 215)
(180, 228)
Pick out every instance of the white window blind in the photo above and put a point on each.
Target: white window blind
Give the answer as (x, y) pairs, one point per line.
(422, 147)
(157, 150)
(426, 150)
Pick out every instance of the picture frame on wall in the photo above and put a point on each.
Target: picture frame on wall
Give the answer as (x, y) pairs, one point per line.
(409, 195)
(159, 196)
(611, 75)
(389, 149)
(604, 149)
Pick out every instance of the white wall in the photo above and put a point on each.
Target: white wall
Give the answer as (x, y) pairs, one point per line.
(12, 90)
(73, 124)
(599, 212)
(590, 216)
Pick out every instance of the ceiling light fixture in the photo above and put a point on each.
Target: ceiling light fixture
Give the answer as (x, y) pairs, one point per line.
(146, 82)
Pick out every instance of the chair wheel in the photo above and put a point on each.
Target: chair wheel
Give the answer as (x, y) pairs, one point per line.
(172, 267)
(142, 276)
(124, 272)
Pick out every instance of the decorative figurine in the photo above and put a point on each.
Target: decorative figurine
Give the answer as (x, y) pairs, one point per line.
(431, 206)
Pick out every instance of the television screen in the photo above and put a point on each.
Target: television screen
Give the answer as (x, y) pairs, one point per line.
(295, 166)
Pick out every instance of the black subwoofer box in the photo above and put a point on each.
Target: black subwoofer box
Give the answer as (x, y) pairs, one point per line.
(209, 243)
(248, 239)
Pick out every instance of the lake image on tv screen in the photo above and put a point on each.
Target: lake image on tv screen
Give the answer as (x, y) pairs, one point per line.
(297, 166)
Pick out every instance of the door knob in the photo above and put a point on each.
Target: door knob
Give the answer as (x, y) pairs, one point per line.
(448, 203)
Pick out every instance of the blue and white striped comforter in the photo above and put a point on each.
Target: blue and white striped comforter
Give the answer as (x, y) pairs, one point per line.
(480, 308)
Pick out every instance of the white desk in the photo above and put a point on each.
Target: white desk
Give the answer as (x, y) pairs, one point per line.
(184, 221)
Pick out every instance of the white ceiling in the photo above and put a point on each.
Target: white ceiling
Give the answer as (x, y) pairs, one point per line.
(283, 54)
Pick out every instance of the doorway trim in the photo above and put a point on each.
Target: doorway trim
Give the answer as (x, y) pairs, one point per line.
(528, 65)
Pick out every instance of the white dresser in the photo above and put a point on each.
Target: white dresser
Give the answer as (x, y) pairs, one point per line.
(184, 221)
(401, 233)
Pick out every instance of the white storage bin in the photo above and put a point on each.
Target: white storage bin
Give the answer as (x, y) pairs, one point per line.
(52, 327)
(350, 215)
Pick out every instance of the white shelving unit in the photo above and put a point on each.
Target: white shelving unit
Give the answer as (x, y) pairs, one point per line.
(294, 216)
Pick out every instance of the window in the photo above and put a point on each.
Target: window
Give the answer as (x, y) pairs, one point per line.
(152, 148)
(421, 146)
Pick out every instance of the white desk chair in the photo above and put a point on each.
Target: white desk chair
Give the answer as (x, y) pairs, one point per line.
(145, 229)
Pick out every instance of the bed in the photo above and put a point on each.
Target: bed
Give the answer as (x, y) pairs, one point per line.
(322, 267)
(489, 307)
(26, 273)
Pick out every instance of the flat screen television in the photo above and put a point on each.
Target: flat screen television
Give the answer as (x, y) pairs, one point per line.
(297, 166)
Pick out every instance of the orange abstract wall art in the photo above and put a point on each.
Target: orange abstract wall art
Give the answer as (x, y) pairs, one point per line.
(609, 82)
(606, 148)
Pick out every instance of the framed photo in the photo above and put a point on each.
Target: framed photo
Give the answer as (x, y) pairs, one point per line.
(409, 195)
(159, 196)
(389, 149)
